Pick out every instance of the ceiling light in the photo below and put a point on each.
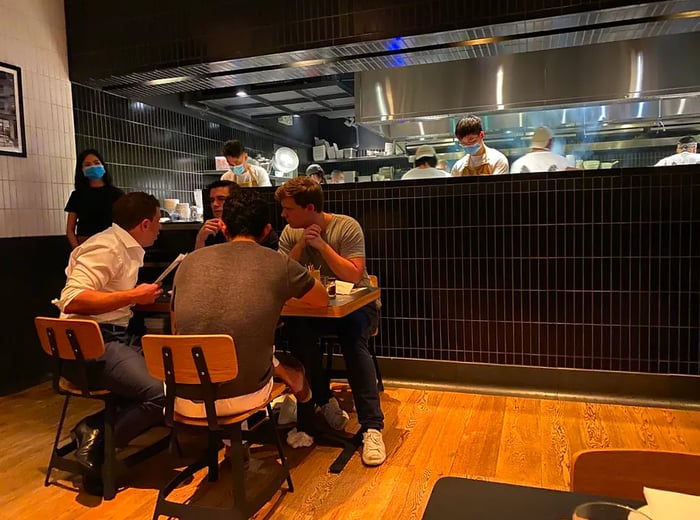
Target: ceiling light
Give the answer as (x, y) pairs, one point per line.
(242, 93)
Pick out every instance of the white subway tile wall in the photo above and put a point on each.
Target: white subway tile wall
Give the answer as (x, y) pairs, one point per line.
(34, 190)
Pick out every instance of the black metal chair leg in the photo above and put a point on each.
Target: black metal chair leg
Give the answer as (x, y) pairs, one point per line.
(278, 441)
(109, 477)
(213, 456)
(237, 468)
(56, 441)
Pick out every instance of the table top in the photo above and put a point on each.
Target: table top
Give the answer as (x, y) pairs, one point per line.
(455, 497)
(341, 305)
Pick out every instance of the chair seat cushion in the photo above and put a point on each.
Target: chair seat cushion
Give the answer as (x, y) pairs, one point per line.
(67, 386)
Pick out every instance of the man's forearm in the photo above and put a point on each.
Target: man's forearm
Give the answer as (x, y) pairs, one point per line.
(343, 268)
(296, 251)
(90, 302)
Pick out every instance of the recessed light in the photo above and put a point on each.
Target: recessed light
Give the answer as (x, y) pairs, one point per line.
(242, 93)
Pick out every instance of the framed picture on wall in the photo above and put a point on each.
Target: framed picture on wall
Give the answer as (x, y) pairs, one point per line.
(12, 140)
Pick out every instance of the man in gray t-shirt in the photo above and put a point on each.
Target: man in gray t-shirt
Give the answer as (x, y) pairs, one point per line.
(336, 244)
(238, 288)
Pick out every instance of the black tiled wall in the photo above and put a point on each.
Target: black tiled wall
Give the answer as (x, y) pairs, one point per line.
(592, 271)
(152, 149)
(143, 35)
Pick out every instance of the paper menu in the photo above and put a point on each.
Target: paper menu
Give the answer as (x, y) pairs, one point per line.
(172, 266)
(668, 505)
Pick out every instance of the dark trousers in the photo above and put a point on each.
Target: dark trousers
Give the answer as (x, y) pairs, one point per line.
(122, 370)
(353, 333)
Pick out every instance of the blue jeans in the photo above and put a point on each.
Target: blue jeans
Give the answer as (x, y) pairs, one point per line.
(353, 333)
(139, 397)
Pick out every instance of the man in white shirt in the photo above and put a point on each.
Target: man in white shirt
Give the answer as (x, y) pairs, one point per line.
(540, 159)
(480, 159)
(242, 172)
(426, 160)
(101, 285)
(686, 153)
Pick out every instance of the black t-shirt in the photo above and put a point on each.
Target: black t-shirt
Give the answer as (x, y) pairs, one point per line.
(271, 241)
(94, 208)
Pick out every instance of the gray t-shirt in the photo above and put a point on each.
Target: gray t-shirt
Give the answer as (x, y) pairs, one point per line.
(343, 234)
(238, 288)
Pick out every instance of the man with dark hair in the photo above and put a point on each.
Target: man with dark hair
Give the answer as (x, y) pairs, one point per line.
(210, 233)
(336, 244)
(101, 285)
(425, 162)
(264, 280)
(686, 153)
(241, 172)
(479, 159)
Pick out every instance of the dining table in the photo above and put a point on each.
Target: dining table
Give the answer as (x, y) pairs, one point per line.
(470, 499)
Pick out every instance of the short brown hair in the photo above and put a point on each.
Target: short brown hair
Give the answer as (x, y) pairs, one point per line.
(304, 191)
(469, 125)
(131, 209)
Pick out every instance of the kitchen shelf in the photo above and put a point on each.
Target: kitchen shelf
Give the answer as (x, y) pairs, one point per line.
(363, 159)
(211, 172)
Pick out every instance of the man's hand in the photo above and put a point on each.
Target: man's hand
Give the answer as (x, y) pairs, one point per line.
(146, 293)
(312, 237)
(209, 228)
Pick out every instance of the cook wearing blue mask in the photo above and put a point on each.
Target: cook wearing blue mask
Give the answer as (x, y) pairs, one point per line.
(245, 174)
(238, 169)
(479, 158)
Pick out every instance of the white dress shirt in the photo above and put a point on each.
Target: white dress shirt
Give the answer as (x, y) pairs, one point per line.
(109, 262)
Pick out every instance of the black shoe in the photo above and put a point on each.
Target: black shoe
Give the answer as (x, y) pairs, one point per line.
(93, 486)
(89, 452)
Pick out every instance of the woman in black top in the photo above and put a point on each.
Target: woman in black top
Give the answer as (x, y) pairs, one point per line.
(89, 207)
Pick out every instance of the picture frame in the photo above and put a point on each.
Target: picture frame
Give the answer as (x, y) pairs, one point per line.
(12, 133)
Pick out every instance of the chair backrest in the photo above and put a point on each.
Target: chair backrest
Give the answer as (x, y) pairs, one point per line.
(68, 339)
(624, 473)
(217, 350)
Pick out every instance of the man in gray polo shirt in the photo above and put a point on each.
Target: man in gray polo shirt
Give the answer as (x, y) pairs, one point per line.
(238, 288)
(336, 244)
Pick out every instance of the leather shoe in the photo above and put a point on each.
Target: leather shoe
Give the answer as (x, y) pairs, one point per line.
(88, 450)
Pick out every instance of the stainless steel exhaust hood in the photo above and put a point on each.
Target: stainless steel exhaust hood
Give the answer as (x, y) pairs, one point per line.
(602, 89)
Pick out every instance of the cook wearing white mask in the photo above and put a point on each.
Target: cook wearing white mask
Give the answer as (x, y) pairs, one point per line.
(480, 159)
(241, 172)
(686, 153)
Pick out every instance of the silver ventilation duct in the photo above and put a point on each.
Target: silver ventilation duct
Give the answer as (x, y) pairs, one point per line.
(620, 87)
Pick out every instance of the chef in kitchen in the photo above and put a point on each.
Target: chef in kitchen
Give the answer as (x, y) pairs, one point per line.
(241, 172)
(480, 159)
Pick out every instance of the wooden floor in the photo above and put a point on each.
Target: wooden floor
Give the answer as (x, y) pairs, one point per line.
(427, 434)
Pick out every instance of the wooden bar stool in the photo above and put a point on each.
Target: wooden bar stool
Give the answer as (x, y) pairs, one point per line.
(75, 342)
(331, 341)
(191, 367)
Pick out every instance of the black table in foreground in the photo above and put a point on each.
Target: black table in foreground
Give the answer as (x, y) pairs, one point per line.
(467, 499)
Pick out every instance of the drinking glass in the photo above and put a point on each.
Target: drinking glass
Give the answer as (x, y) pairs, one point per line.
(607, 511)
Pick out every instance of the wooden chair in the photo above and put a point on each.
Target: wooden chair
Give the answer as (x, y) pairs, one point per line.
(191, 367)
(330, 341)
(75, 342)
(624, 473)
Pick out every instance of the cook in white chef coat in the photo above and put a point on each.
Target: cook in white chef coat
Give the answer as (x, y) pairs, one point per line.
(541, 158)
(425, 162)
(480, 159)
(243, 173)
(686, 153)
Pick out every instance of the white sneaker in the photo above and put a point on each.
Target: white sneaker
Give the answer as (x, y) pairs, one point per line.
(334, 415)
(297, 439)
(373, 450)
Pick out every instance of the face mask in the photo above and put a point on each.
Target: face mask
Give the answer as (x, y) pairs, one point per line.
(471, 149)
(238, 170)
(94, 172)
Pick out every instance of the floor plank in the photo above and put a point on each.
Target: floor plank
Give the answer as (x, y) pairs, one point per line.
(428, 434)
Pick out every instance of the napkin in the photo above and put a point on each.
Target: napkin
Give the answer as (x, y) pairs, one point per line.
(668, 505)
(343, 287)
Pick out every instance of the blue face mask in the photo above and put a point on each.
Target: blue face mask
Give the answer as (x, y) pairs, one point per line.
(238, 170)
(94, 173)
(472, 149)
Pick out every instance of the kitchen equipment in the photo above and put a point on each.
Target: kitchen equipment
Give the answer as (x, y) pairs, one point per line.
(170, 204)
(591, 165)
(285, 161)
(349, 153)
(319, 152)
